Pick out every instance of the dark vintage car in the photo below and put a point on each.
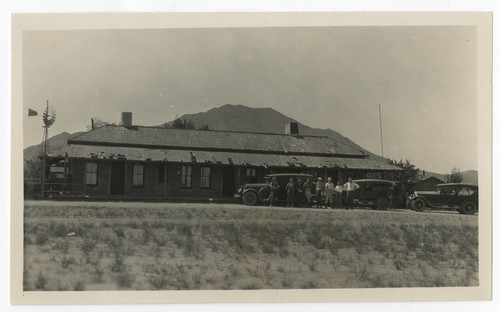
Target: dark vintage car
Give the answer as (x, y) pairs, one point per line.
(375, 193)
(255, 193)
(461, 197)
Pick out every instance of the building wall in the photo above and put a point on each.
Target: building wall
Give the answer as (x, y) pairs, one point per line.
(149, 187)
(175, 189)
(78, 177)
(169, 186)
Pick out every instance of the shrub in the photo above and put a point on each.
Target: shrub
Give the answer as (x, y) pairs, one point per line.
(118, 264)
(146, 235)
(62, 244)
(194, 248)
(287, 281)
(309, 285)
(399, 262)
(184, 230)
(125, 280)
(253, 284)
(98, 274)
(160, 240)
(79, 285)
(159, 280)
(41, 281)
(88, 246)
(60, 230)
(67, 261)
(42, 238)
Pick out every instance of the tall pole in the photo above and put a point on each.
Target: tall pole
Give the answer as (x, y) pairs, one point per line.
(381, 136)
(44, 154)
(46, 133)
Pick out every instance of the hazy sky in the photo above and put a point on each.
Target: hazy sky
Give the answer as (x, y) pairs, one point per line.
(324, 77)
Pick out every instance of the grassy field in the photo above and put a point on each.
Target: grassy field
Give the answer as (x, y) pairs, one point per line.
(110, 246)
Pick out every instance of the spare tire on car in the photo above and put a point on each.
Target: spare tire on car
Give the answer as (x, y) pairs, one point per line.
(249, 198)
(264, 194)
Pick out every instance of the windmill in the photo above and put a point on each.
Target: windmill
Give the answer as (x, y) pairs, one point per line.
(48, 117)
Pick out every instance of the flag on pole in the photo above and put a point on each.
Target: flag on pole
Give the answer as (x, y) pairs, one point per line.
(32, 112)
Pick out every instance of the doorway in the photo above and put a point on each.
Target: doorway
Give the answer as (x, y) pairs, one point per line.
(228, 181)
(117, 178)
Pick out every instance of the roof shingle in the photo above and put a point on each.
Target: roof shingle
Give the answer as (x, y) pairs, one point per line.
(210, 140)
(223, 158)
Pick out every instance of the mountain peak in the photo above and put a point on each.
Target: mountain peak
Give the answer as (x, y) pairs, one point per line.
(237, 117)
(242, 108)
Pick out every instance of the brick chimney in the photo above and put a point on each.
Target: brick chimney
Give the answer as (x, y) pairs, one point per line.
(292, 128)
(127, 119)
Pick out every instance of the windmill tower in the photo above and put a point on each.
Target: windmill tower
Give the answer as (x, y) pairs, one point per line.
(48, 117)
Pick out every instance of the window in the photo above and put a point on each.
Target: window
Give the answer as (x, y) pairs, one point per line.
(251, 172)
(186, 175)
(447, 190)
(138, 175)
(205, 177)
(162, 173)
(91, 173)
(465, 191)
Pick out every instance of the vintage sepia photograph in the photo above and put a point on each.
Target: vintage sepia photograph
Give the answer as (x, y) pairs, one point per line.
(260, 157)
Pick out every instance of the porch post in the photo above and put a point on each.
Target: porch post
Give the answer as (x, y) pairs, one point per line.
(165, 179)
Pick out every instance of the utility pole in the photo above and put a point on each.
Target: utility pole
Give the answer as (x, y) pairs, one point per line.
(381, 136)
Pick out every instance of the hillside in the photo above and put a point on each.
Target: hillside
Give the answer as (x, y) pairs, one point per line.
(265, 120)
(53, 143)
(469, 176)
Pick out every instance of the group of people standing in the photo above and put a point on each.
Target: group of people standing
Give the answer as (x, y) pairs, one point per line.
(328, 194)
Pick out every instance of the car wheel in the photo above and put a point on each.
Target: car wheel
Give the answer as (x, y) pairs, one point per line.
(469, 208)
(382, 203)
(264, 194)
(249, 198)
(418, 204)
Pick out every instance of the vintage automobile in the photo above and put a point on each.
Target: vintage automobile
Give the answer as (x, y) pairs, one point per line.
(375, 193)
(461, 197)
(254, 193)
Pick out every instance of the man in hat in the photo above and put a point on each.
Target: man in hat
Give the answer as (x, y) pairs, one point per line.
(329, 189)
(291, 188)
(274, 186)
(338, 195)
(350, 187)
(393, 193)
(299, 199)
(307, 187)
(320, 188)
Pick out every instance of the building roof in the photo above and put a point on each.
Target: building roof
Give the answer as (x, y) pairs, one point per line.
(220, 157)
(211, 140)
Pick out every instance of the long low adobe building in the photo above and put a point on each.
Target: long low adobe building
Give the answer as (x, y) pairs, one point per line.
(136, 162)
